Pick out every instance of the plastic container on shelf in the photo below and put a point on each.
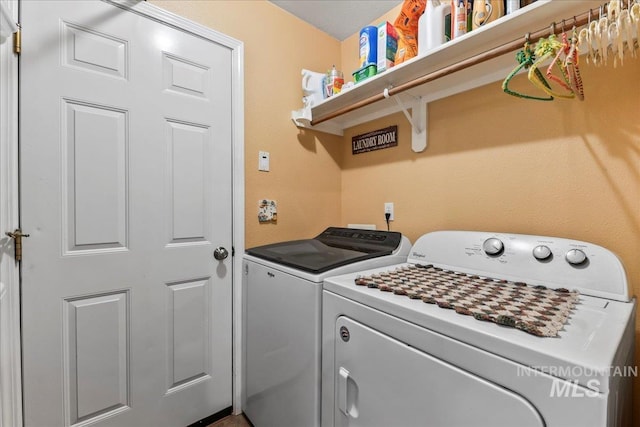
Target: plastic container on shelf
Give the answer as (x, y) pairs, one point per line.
(433, 25)
(334, 81)
(368, 46)
(485, 11)
(512, 6)
(459, 19)
(364, 73)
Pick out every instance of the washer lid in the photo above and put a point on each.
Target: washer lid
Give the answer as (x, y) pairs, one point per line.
(333, 248)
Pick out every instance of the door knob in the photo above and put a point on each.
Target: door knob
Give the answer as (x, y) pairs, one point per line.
(220, 253)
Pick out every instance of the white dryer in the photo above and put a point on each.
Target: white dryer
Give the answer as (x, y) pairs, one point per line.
(282, 312)
(481, 329)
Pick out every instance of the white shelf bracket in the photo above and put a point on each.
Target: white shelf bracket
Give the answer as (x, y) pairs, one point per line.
(417, 118)
(302, 119)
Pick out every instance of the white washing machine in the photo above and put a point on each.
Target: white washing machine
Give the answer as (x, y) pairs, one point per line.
(282, 317)
(481, 329)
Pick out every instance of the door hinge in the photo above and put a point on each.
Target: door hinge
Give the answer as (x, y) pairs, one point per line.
(17, 42)
(17, 242)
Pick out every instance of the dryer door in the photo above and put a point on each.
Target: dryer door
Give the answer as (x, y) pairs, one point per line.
(384, 382)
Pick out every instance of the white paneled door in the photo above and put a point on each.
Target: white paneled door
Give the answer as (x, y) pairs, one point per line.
(126, 188)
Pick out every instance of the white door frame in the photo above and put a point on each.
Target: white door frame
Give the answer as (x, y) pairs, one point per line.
(10, 366)
(10, 356)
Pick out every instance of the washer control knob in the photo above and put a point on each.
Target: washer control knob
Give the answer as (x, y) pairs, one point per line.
(541, 252)
(575, 257)
(493, 246)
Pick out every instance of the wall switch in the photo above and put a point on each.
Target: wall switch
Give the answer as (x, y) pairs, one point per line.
(263, 161)
(388, 209)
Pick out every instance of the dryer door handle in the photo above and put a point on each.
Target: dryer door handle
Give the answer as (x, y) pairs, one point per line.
(343, 376)
(347, 394)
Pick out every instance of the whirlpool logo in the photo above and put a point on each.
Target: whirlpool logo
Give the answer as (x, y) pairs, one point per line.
(418, 255)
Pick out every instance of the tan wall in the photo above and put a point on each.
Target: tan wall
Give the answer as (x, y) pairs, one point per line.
(494, 162)
(305, 172)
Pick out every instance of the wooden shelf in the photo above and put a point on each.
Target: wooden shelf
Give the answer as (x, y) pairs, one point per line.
(536, 16)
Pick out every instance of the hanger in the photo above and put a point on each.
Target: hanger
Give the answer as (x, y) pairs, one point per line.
(625, 26)
(525, 58)
(545, 49)
(602, 36)
(571, 65)
(586, 40)
(634, 11)
(559, 63)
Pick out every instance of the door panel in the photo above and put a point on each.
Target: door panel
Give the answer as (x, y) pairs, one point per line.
(188, 332)
(96, 152)
(186, 77)
(188, 181)
(91, 50)
(126, 191)
(96, 356)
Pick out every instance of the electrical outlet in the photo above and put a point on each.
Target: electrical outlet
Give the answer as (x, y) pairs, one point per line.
(388, 209)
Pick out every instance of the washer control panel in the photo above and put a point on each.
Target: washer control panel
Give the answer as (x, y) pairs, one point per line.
(539, 260)
(494, 247)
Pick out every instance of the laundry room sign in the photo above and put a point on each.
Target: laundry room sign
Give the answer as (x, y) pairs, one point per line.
(375, 140)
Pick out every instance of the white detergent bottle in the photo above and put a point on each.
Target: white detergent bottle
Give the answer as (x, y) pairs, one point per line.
(432, 25)
(512, 6)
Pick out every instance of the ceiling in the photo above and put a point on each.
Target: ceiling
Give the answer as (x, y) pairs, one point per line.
(338, 18)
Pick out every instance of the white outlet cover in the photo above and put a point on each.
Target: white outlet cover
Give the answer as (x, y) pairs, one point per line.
(388, 208)
(263, 161)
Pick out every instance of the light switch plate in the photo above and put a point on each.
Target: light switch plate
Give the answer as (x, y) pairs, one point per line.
(263, 161)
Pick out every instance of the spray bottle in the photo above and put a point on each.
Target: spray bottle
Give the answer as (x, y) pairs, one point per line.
(459, 18)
